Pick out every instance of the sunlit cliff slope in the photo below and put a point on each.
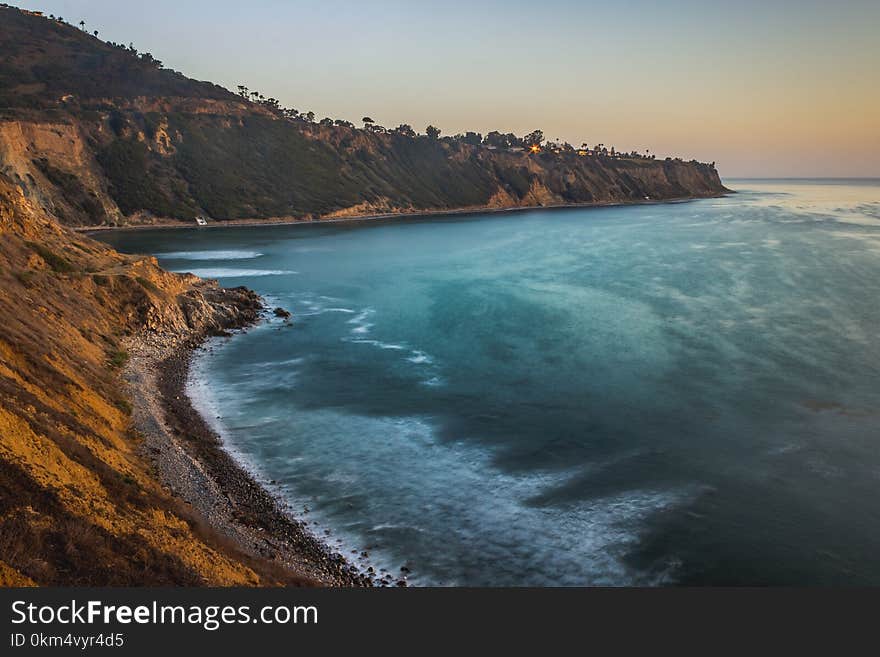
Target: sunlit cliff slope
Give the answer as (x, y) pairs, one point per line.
(79, 503)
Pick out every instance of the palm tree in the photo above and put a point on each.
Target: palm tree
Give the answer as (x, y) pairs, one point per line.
(82, 25)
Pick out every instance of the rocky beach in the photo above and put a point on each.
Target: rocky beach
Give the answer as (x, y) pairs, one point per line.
(192, 464)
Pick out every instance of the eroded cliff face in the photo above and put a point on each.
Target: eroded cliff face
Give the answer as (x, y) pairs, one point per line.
(57, 171)
(129, 167)
(79, 504)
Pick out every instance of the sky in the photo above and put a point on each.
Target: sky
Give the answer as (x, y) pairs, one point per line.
(764, 89)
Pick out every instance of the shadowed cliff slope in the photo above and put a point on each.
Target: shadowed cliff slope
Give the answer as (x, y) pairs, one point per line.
(97, 134)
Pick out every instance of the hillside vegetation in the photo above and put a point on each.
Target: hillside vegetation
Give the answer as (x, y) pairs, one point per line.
(97, 133)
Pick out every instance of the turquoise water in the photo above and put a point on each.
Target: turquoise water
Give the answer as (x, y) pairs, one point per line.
(656, 394)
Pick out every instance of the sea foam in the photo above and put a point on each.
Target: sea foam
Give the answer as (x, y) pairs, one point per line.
(210, 255)
(231, 272)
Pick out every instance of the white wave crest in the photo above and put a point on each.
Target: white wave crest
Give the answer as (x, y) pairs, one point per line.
(232, 272)
(210, 255)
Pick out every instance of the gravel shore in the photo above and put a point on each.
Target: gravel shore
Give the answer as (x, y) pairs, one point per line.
(192, 464)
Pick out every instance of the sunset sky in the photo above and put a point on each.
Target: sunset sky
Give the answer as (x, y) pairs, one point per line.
(763, 88)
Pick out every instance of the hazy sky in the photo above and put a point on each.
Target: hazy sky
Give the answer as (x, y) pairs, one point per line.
(768, 88)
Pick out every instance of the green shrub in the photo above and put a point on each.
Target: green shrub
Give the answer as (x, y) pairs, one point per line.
(118, 359)
(55, 261)
(25, 277)
(148, 285)
(123, 405)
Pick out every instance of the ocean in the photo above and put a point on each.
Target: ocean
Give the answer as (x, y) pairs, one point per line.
(669, 394)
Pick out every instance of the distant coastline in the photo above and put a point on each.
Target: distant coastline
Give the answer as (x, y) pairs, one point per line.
(419, 214)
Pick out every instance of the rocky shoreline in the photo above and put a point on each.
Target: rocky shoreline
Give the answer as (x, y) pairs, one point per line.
(191, 462)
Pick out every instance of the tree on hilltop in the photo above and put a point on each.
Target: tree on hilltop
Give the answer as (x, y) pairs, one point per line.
(432, 132)
(497, 140)
(472, 138)
(534, 138)
(148, 57)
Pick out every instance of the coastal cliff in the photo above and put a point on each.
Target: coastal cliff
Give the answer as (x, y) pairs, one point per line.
(83, 499)
(97, 134)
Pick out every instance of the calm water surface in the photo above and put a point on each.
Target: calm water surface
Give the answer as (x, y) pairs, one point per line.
(659, 394)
